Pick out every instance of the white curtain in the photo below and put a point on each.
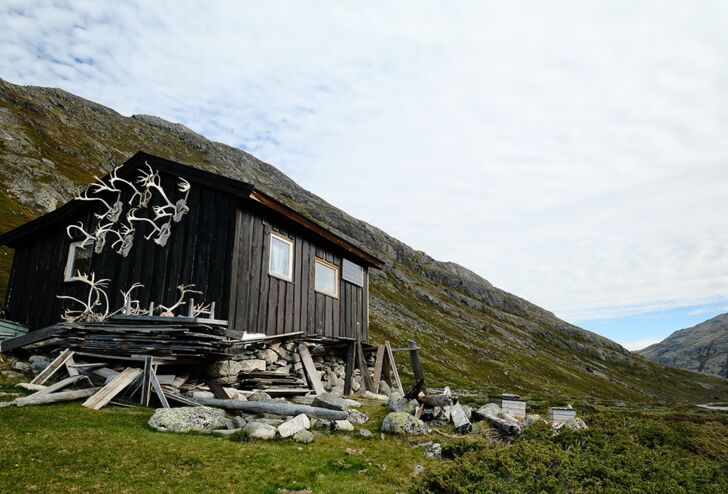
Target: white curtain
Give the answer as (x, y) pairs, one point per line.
(325, 278)
(280, 257)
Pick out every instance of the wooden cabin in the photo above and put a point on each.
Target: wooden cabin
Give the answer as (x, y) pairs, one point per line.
(266, 267)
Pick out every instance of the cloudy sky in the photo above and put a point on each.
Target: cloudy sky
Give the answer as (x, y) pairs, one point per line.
(572, 153)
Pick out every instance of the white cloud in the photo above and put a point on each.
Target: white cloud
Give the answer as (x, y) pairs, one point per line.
(574, 154)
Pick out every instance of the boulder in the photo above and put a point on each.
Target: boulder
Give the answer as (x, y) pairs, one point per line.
(187, 419)
(303, 436)
(38, 363)
(460, 419)
(223, 368)
(531, 419)
(259, 430)
(330, 401)
(269, 356)
(397, 403)
(252, 365)
(343, 425)
(384, 388)
(259, 396)
(356, 417)
(574, 424)
(296, 424)
(22, 367)
(202, 395)
(403, 423)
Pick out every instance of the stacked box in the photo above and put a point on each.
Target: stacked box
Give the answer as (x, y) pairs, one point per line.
(510, 404)
(561, 414)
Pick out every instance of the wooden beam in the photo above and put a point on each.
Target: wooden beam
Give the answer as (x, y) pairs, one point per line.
(116, 386)
(146, 391)
(217, 389)
(76, 394)
(392, 364)
(310, 368)
(71, 367)
(159, 391)
(366, 381)
(275, 408)
(378, 363)
(27, 339)
(416, 364)
(53, 367)
(350, 360)
(52, 388)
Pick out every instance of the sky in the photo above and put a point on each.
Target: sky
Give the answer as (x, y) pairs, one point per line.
(572, 153)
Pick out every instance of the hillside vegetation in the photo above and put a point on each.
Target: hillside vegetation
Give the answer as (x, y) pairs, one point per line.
(473, 335)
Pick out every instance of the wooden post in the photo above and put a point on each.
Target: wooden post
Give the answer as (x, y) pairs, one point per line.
(349, 376)
(310, 369)
(366, 381)
(378, 363)
(396, 384)
(416, 364)
(146, 391)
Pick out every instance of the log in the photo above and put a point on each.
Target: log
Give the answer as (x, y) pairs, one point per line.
(509, 426)
(416, 364)
(57, 386)
(56, 397)
(275, 408)
(31, 387)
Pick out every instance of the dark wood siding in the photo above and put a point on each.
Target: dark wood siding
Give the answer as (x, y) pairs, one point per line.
(267, 304)
(198, 252)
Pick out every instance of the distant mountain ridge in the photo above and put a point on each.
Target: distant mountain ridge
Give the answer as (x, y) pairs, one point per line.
(701, 348)
(473, 335)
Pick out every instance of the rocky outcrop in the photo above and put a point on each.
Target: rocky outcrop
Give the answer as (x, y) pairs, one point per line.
(701, 348)
(187, 419)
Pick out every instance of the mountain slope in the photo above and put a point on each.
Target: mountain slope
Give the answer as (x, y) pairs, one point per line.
(702, 348)
(473, 334)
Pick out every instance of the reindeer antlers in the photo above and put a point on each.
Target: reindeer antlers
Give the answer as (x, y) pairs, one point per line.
(96, 297)
(183, 290)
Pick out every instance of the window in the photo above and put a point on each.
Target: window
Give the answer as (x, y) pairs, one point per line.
(326, 278)
(353, 273)
(79, 259)
(281, 257)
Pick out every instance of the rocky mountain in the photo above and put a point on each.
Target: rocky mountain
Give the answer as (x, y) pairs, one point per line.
(473, 335)
(702, 348)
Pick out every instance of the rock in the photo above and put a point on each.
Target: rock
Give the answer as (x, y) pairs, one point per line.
(11, 375)
(239, 421)
(259, 396)
(330, 401)
(352, 403)
(322, 424)
(403, 423)
(574, 424)
(397, 403)
(295, 358)
(223, 368)
(252, 365)
(304, 436)
(468, 412)
(531, 419)
(187, 419)
(23, 367)
(434, 450)
(259, 430)
(38, 363)
(355, 386)
(343, 425)
(366, 433)
(269, 356)
(459, 419)
(202, 395)
(384, 388)
(373, 396)
(356, 417)
(418, 469)
(296, 424)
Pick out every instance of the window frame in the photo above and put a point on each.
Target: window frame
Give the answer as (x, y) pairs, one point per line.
(291, 248)
(337, 278)
(68, 272)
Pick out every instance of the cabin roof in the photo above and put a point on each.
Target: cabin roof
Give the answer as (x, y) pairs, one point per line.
(229, 185)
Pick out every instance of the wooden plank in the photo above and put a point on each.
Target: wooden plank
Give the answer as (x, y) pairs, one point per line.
(50, 389)
(397, 384)
(217, 389)
(159, 391)
(378, 368)
(265, 279)
(30, 338)
(310, 368)
(366, 380)
(59, 362)
(75, 394)
(146, 390)
(116, 386)
(71, 367)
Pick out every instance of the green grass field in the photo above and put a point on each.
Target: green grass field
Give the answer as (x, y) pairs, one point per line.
(627, 448)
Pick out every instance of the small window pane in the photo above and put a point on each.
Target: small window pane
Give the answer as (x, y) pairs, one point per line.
(79, 259)
(326, 279)
(280, 257)
(353, 273)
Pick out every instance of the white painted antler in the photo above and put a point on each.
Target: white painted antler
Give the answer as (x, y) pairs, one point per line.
(142, 196)
(100, 236)
(113, 212)
(201, 309)
(125, 240)
(130, 305)
(96, 297)
(88, 238)
(132, 217)
(183, 290)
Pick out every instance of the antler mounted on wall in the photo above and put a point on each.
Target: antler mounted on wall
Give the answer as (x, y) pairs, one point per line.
(97, 297)
(183, 290)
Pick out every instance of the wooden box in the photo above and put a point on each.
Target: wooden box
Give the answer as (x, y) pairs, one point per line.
(510, 404)
(561, 414)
